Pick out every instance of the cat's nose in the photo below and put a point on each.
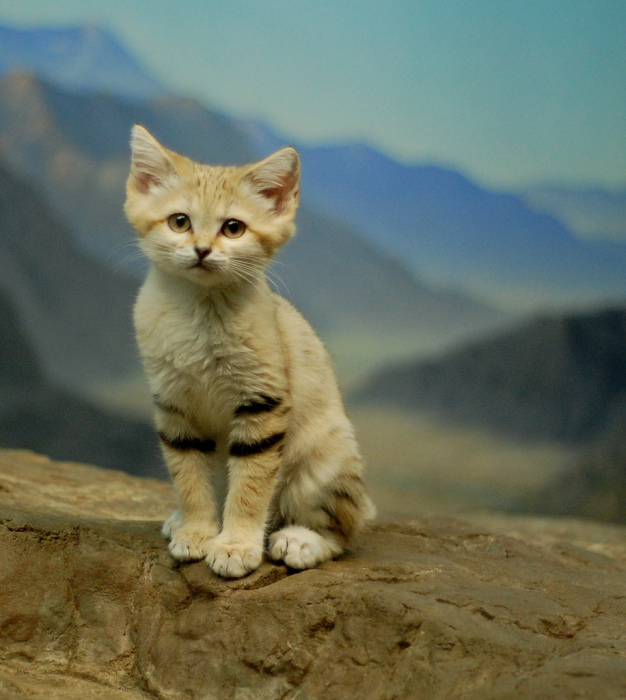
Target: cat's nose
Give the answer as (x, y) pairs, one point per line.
(202, 252)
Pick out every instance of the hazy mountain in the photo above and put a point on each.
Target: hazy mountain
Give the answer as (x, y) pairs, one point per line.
(344, 283)
(451, 232)
(442, 227)
(595, 487)
(65, 426)
(553, 378)
(19, 364)
(80, 58)
(74, 149)
(36, 415)
(588, 212)
(76, 312)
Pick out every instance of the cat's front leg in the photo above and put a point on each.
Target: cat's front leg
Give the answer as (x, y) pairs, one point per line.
(238, 549)
(191, 527)
(254, 463)
(188, 540)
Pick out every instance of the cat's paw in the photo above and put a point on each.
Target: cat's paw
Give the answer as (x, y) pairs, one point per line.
(191, 542)
(301, 548)
(234, 559)
(172, 524)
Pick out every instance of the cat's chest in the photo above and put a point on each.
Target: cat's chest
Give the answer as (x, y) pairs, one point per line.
(194, 344)
(192, 352)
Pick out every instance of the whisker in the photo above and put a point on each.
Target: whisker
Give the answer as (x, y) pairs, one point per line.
(272, 277)
(275, 278)
(126, 261)
(247, 271)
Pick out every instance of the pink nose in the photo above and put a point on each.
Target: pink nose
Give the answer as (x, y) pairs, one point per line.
(202, 252)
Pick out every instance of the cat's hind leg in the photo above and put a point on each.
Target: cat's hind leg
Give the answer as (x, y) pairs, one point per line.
(318, 527)
(302, 548)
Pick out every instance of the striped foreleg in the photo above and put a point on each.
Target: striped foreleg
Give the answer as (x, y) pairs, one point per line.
(189, 460)
(255, 458)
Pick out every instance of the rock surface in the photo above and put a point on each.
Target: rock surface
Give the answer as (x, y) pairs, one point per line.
(92, 606)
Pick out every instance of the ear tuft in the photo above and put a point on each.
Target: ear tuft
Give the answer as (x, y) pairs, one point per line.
(277, 178)
(150, 164)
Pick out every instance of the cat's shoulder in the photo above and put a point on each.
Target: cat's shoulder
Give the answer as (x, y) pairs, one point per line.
(286, 311)
(294, 325)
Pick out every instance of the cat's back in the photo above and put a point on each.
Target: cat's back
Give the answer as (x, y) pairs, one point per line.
(297, 333)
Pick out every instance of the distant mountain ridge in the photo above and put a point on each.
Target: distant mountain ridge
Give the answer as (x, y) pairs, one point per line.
(452, 233)
(448, 232)
(79, 162)
(592, 213)
(552, 378)
(85, 59)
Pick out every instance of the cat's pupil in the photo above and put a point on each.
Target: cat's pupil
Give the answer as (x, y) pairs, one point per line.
(233, 228)
(182, 222)
(179, 223)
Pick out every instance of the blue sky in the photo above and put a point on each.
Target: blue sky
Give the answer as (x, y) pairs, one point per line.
(511, 93)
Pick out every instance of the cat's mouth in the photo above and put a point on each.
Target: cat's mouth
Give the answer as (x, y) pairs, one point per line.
(202, 265)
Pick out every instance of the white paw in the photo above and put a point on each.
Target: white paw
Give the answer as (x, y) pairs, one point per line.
(301, 548)
(191, 542)
(172, 524)
(232, 558)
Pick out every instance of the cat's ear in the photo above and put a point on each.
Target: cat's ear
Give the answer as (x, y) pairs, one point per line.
(150, 165)
(277, 179)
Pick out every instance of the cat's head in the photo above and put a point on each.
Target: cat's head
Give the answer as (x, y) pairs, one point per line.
(210, 224)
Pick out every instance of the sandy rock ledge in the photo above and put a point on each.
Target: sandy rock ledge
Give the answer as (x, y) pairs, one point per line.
(92, 606)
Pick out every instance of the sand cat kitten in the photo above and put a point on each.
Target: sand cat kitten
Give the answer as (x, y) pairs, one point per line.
(240, 380)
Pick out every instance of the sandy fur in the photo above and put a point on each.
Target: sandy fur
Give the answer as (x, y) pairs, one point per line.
(241, 382)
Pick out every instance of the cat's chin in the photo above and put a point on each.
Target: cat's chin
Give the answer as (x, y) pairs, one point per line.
(201, 269)
(196, 275)
(209, 279)
(202, 276)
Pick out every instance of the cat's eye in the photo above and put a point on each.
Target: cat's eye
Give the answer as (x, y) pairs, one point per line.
(233, 228)
(179, 223)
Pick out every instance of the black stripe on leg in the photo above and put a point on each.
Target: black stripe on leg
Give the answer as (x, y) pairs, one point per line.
(265, 403)
(244, 449)
(183, 444)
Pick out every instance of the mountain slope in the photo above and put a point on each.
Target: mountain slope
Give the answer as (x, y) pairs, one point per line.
(37, 415)
(75, 310)
(74, 148)
(19, 364)
(86, 59)
(553, 378)
(595, 487)
(589, 212)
